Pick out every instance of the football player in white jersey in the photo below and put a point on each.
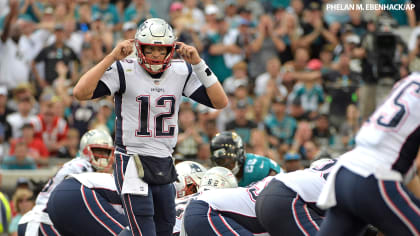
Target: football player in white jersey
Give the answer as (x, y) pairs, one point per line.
(276, 205)
(215, 178)
(87, 204)
(95, 154)
(286, 206)
(368, 184)
(147, 95)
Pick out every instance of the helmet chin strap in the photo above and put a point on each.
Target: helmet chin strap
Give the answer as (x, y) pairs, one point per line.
(235, 169)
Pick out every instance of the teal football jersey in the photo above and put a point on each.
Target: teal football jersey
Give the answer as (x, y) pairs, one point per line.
(257, 168)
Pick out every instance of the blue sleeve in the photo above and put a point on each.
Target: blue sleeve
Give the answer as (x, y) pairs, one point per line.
(200, 95)
(101, 90)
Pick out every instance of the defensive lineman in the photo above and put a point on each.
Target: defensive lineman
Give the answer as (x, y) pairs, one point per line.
(227, 150)
(147, 95)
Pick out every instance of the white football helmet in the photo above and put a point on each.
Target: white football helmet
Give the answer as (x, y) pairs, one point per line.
(155, 32)
(96, 147)
(218, 177)
(189, 177)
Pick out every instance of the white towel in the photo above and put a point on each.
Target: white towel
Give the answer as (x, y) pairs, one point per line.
(132, 183)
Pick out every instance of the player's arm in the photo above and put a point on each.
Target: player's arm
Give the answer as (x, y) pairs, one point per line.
(213, 87)
(14, 12)
(87, 84)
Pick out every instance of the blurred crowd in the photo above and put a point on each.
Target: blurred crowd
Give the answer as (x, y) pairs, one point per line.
(300, 79)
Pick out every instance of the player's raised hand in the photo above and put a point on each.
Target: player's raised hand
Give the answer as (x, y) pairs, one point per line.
(188, 53)
(123, 49)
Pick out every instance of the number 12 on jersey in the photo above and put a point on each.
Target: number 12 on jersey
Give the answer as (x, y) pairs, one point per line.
(145, 119)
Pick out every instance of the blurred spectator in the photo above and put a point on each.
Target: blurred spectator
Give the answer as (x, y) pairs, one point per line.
(80, 114)
(315, 31)
(414, 57)
(267, 44)
(21, 183)
(292, 162)
(280, 127)
(259, 145)
(211, 13)
(326, 56)
(36, 147)
(5, 214)
(302, 135)
(341, 86)
(313, 151)
(323, 133)
(18, 46)
(48, 125)
(189, 138)
(241, 124)
(309, 93)
(129, 31)
(349, 127)
(183, 30)
(272, 73)
(286, 25)
(23, 90)
(24, 201)
(4, 112)
(332, 15)
(53, 54)
(32, 8)
(215, 47)
(241, 38)
(107, 12)
(20, 160)
(105, 117)
(231, 13)
(138, 11)
(403, 18)
(239, 76)
(22, 116)
(71, 146)
(194, 16)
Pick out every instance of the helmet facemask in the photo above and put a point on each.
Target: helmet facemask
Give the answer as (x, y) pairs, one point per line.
(151, 65)
(101, 156)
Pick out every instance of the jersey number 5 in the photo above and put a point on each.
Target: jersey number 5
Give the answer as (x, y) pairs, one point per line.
(159, 119)
(393, 119)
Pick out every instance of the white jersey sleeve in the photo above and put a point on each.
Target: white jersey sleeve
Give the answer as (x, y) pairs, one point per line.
(111, 78)
(193, 83)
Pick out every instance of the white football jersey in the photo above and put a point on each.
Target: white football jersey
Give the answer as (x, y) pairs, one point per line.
(388, 142)
(308, 182)
(239, 200)
(147, 108)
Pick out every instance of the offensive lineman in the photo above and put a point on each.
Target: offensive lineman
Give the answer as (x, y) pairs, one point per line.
(95, 154)
(147, 95)
(368, 184)
(276, 205)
